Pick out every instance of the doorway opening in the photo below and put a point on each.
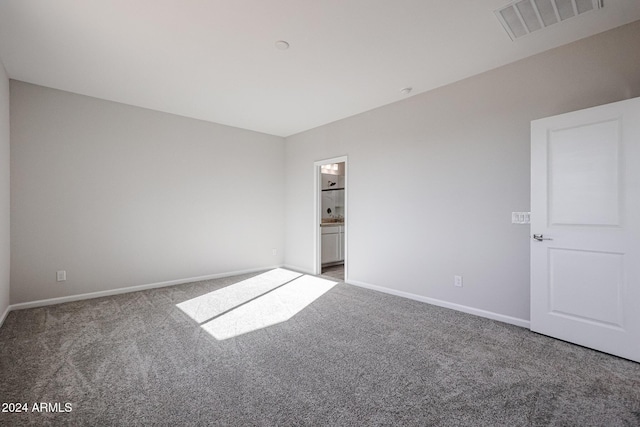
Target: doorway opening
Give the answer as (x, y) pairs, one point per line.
(331, 218)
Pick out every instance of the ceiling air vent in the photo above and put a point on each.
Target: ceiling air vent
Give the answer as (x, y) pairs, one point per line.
(522, 17)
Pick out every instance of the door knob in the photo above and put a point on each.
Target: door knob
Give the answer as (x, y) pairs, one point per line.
(540, 237)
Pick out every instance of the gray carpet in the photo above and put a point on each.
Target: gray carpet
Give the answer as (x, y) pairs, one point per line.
(352, 357)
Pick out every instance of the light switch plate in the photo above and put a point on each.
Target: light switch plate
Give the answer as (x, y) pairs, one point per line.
(521, 217)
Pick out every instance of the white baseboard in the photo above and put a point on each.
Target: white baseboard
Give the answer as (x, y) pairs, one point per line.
(4, 315)
(465, 309)
(99, 294)
(298, 269)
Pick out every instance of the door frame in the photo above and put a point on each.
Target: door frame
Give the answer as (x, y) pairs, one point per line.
(317, 204)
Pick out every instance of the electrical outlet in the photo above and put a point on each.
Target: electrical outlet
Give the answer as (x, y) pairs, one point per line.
(61, 276)
(457, 281)
(274, 252)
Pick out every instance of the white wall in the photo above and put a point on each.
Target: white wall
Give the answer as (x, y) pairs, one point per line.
(4, 192)
(121, 196)
(433, 179)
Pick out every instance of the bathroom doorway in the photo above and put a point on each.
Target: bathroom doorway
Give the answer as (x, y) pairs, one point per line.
(331, 218)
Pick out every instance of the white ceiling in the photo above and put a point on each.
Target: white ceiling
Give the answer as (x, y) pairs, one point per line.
(216, 60)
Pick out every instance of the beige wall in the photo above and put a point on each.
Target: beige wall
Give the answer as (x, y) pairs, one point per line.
(120, 196)
(433, 179)
(4, 192)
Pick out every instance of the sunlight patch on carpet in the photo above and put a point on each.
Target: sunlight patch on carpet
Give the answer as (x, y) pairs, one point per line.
(212, 304)
(256, 303)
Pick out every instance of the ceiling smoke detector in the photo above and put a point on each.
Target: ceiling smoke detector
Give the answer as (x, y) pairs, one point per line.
(522, 17)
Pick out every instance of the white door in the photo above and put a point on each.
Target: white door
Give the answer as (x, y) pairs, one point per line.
(585, 226)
